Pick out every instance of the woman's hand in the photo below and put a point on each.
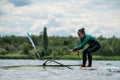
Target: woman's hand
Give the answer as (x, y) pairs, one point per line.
(71, 51)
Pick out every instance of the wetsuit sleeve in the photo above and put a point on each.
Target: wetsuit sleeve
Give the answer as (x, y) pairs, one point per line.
(82, 44)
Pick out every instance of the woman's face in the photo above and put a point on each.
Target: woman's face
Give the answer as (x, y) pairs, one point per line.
(80, 34)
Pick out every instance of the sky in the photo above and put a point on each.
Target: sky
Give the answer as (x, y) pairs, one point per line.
(61, 17)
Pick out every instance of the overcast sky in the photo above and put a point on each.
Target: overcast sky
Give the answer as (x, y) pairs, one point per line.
(61, 17)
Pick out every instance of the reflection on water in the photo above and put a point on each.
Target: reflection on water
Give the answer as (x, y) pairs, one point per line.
(107, 70)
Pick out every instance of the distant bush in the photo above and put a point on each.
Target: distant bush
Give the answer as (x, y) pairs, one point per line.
(25, 48)
(3, 51)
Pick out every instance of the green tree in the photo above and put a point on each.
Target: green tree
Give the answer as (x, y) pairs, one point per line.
(26, 48)
(45, 40)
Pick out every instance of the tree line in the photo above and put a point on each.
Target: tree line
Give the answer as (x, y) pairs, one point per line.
(55, 45)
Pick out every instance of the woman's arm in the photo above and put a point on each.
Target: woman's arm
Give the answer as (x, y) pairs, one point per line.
(82, 44)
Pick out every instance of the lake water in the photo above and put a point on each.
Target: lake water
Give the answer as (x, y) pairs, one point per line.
(107, 70)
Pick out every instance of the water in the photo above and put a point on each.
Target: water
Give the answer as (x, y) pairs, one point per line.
(107, 70)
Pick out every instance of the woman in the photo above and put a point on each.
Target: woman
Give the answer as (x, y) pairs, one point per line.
(94, 45)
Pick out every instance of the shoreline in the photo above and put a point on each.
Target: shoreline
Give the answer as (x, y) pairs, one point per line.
(66, 57)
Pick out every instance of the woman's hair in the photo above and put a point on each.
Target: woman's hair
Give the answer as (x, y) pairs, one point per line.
(82, 30)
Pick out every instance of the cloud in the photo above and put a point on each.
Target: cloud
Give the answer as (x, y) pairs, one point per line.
(13, 30)
(37, 26)
(20, 2)
(62, 17)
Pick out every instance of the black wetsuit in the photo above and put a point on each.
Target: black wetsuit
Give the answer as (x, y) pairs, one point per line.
(94, 45)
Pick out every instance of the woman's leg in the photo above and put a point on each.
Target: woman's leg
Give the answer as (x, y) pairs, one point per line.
(89, 58)
(84, 57)
(89, 51)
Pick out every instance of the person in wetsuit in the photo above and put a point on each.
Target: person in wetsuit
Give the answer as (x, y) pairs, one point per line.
(94, 45)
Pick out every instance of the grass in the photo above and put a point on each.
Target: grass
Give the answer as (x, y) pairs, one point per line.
(65, 57)
(16, 56)
(106, 57)
(76, 57)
